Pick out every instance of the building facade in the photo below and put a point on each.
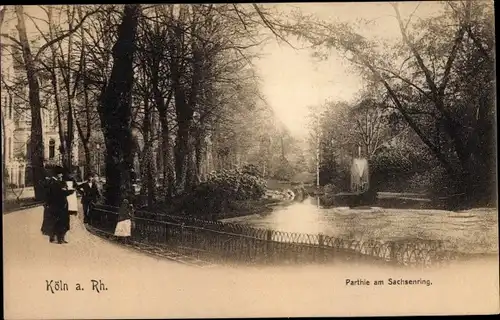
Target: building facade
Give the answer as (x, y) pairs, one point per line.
(16, 121)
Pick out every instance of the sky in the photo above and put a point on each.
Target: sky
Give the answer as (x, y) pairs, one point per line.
(292, 80)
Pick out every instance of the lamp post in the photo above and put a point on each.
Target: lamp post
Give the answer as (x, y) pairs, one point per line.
(98, 147)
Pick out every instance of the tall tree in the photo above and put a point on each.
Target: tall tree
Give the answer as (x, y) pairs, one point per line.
(115, 110)
(417, 74)
(4, 142)
(96, 41)
(36, 136)
(30, 63)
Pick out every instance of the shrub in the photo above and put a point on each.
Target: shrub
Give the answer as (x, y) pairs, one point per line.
(223, 187)
(420, 182)
(331, 172)
(252, 170)
(390, 171)
(235, 185)
(285, 171)
(433, 181)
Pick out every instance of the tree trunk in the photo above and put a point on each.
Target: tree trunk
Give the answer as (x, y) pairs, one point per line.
(192, 166)
(4, 149)
(150, 187)
(86, 150)
(4, 112)
(60, 130)
(184, 108)
(181, 154)
(69, 137)
(36, 138)
(85, 137)
(115, 111)
(162, 106)
(184, 117)
(198, 148)
(2, 15)
(54, 79)
(146, 159)
(168, 171)
(69, 96)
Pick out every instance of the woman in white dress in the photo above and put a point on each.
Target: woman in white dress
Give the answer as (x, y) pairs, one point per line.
(72, 199)
(123, 228)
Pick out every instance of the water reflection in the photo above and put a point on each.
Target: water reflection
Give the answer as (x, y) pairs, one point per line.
(467, 231)
(304, 217)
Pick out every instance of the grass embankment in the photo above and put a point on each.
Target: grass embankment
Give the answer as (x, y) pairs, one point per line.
(230, 209)
(260, 206)
(248, 207)
(398, 201)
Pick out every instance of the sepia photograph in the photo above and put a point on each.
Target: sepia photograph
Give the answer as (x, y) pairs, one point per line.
(236, 160)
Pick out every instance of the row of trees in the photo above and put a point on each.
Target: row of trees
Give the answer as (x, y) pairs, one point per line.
(175, 80)
(429, 106)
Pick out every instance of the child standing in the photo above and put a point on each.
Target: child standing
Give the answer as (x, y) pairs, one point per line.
(123, 228)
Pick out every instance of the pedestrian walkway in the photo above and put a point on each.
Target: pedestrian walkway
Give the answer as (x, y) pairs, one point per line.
(25, 244)
(138, 285)
(84, 248)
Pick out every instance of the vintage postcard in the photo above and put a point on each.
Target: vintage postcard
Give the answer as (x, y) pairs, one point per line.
(249, 160)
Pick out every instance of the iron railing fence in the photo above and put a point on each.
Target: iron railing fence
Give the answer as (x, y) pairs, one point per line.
(221, 242)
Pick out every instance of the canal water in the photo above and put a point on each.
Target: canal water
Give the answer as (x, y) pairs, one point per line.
(471, 231)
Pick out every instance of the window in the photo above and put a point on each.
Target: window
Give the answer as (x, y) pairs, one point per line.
(10, 148)
(52, 149)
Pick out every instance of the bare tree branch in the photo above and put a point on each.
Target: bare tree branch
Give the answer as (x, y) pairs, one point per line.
(67, 34)
(270, 25)
(456, 44)
(11, 39)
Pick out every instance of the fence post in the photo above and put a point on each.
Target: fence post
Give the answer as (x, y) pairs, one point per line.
(269, 239)
(393, 253)
(321, 243)
(132, 228)
(166, 233)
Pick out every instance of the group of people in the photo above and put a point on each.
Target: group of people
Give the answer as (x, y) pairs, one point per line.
(60, 202)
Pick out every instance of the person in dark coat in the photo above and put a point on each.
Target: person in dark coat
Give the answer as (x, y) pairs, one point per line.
(58, 206)
(90, 194)
(48, 218)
